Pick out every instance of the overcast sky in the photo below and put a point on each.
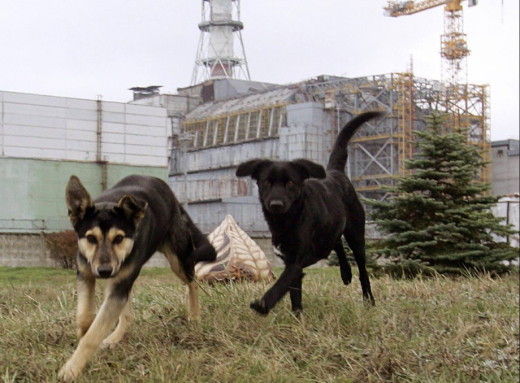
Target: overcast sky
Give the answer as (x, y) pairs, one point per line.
(80, 48)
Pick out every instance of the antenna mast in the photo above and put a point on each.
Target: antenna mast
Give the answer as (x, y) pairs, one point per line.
(219, 28)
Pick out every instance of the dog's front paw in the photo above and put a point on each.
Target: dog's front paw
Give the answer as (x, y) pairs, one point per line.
(346, 277)
(68, 373)
(297, 312)
(259, 307)
(109, 343)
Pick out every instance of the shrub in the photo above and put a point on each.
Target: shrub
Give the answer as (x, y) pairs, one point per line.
(63, 246)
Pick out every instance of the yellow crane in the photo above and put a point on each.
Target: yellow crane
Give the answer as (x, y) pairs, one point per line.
(467, 105)
(454, 47)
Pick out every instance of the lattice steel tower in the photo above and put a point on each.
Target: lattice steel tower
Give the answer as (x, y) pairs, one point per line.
(220, 32)
(466, 106)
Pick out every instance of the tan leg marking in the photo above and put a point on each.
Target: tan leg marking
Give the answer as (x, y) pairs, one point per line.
(104, 322)
(193, 297)
(193, 288)
(175, 265)
(86, 307)
(125, 320)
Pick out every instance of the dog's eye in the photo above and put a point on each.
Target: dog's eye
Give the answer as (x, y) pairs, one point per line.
(118, 239)
(266, 183)
(289, 184)
(91, 239)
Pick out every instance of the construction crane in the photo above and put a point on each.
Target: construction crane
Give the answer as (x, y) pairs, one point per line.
(454, 47)
(459, 97)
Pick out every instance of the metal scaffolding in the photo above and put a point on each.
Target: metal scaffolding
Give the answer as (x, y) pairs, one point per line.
(378, 152)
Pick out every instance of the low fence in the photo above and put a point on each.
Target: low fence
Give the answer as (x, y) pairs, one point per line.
(34, 226)
(24, 250)
(509, 209)
(23, 243)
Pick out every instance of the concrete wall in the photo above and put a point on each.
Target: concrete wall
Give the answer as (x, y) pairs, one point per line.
(245, 210)
(506, 167)
(60, 128)
(30, 250)
(205, 178)
(46, 139)
(508, 208)
(33, 191)
(215, 158)
(24, 250)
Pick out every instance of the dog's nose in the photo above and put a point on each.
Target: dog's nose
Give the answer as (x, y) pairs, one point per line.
(276, 204)
(105, 271)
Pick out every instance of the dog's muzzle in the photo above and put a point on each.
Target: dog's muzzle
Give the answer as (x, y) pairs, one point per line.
(276, 206)
(105, 271)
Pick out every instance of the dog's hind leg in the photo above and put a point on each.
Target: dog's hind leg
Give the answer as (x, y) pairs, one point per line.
(193, 289)
(105, 321)
(203, 251)
(125, 320)
(357, 244)
(344, 267)
(193, 300)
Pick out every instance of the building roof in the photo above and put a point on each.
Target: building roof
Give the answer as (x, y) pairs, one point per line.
(256, 100)
(513, 146)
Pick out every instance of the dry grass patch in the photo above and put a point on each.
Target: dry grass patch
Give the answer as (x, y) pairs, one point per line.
(425, 330)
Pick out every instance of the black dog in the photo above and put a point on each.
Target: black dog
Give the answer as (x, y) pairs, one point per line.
(117, 233)
(307, 217)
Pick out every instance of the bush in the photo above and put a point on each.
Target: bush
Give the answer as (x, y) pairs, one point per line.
(63, 247)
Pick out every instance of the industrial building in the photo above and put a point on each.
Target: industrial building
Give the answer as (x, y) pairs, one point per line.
(46, 139)
(506, 167)
(222, 122)
(223, 119)
(197, 137)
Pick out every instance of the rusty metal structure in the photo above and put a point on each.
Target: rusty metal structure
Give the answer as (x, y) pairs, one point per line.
(222, 120)
(378, 154)
(459, 100)
(302, 120)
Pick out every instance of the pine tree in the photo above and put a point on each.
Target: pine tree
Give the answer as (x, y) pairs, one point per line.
(440, 215)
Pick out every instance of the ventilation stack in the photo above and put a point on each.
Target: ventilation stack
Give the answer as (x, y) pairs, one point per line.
(220, 29)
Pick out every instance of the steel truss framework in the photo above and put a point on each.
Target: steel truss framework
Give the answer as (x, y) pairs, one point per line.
(232, 128)
(378, 152)
(216, 60)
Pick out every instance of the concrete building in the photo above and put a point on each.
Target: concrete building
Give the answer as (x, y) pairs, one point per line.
(222, 122)
(506, 167)
(506, 183)
(197, 137)
(46, 139)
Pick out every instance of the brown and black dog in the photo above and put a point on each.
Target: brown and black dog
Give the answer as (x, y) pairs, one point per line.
(117, 233)
(308, 209)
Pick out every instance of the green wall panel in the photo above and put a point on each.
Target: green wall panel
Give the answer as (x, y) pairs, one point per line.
(35, 189)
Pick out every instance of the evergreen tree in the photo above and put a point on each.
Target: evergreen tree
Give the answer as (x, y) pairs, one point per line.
(440, 215)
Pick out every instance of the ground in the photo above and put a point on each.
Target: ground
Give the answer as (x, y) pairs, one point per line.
(425, 330)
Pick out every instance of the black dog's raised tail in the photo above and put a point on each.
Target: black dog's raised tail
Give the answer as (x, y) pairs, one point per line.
(338, 157)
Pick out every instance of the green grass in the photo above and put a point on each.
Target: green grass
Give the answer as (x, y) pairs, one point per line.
(425, 330)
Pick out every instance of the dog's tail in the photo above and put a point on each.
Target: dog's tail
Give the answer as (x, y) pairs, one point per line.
(338, 157)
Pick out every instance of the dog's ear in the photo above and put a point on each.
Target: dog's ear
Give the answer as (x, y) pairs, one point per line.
(252, 168)
(78, 200)
(309, 168)
(132, 208)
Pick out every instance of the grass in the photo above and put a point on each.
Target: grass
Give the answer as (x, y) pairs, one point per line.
(425, 330)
